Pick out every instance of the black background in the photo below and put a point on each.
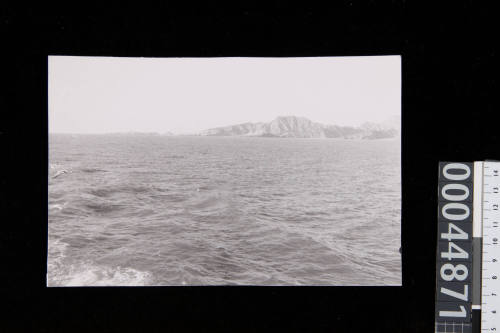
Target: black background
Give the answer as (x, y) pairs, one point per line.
(448, 55)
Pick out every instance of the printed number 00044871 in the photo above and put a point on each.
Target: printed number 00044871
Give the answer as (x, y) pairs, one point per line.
(454, 211)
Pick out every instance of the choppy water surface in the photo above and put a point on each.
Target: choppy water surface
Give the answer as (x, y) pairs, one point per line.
(154, 210)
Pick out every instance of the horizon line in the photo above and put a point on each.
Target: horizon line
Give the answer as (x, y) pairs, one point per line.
(170, 132)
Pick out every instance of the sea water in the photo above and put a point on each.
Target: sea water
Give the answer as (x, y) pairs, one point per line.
(131, 210)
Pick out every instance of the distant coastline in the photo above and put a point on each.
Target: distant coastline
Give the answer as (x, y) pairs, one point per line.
(284, 127)
(301, 127)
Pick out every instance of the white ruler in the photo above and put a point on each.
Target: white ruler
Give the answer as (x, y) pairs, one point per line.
(490, 272)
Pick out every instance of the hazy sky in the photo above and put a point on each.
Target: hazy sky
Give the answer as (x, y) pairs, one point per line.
(186, 95)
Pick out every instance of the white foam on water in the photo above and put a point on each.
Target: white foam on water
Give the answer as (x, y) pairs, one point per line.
(56, 253)
(94, 275)
(55, 167)
(60, 273)
(87, 274)
(57, 207)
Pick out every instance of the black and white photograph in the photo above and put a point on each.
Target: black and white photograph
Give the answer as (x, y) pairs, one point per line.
(247, 171)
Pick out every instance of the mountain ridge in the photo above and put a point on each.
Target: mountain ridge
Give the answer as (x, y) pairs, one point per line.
(301, 127)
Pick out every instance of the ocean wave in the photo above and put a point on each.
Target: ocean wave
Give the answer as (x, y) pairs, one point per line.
(57, 207)
(92, 170)
(103, 207)
(111, 190)
(54, 166)
(56, 254)
(165, 216)
(88, 274)
(60, 173)
(207, 202)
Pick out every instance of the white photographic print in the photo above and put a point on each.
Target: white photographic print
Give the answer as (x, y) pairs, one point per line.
(224, 171)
